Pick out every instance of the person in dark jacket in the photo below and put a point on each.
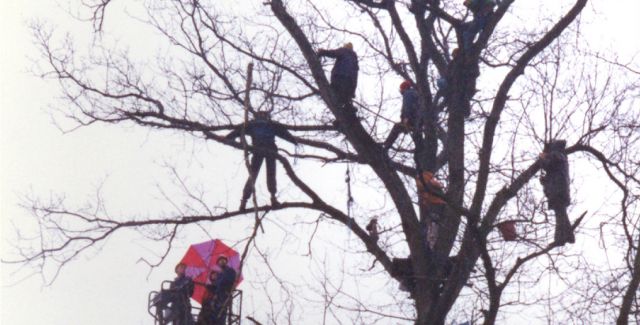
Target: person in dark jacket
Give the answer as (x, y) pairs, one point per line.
(409, 114)
(182, 288)
(482, 11)
(262, 132)
(460, 77)
(555, 184)
(344, 75)
(205, 317)
(223, 286)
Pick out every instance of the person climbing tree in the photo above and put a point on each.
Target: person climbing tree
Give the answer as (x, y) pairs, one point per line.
(555, 184)
(409, 116)
(460, 77)
(224, 283)
(344, 75)
(430, 194)
(482, 11)
(263, 132)
(182, 287)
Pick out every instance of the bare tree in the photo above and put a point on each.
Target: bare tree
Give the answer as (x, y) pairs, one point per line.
(510, 87)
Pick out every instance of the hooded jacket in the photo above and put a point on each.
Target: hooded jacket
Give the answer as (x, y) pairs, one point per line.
(555, 182)
(346, 64)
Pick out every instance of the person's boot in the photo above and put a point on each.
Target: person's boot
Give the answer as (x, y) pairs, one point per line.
(243, 204)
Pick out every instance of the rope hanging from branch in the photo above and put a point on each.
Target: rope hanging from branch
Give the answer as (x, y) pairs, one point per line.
(347, 179)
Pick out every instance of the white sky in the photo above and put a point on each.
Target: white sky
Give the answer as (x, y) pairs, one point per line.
(109, 286)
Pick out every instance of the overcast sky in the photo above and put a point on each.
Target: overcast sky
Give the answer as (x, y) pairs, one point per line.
(110, 286)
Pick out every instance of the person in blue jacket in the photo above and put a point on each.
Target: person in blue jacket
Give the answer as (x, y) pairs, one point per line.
(344, 75)
(482, 11)
(409, 114)
(262, 132)
(224, 284)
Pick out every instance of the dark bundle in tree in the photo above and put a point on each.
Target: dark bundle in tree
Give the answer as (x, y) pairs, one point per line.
(402, 269)
(372, 228)
(555, 183)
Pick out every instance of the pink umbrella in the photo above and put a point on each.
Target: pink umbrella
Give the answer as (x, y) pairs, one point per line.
(201, 260)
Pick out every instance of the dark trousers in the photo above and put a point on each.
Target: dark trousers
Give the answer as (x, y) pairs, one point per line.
(344, 87)
(256, 163)
(473, 28)
(395, 133)
(220, 308)
(206, 313)
(564, 232)
(181, 309)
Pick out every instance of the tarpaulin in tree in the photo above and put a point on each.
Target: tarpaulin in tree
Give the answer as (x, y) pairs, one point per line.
(428, 189)
(508, 230)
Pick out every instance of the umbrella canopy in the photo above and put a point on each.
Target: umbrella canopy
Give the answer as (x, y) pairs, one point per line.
(200, 260)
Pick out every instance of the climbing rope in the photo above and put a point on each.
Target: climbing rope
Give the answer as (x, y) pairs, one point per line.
(347, 179)
(349, 196)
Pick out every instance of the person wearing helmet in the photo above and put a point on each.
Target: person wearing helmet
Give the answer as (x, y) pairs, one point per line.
(555, 184)
(262, 132)
(409, 111)
(481, 10)
(344, 75)
(408, 114)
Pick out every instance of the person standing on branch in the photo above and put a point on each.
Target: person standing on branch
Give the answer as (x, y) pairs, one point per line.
(344, 75)
(409, 117)
(555, 183)
(262, 132)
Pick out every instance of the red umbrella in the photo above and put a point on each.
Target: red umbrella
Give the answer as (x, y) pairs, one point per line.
(201, 260)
